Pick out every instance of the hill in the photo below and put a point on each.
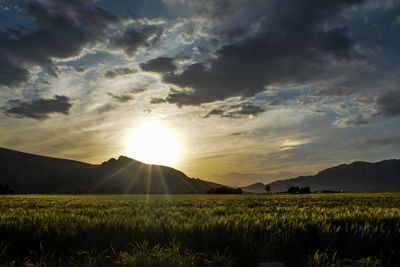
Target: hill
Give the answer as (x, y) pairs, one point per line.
(29, 173)
(359, 176)
(257, 188)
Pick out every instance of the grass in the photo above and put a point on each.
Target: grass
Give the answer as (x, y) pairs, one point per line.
(200, 230)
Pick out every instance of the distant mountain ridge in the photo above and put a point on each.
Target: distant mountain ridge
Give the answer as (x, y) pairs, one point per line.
(359, 176)
(256, 188)
(29, 173)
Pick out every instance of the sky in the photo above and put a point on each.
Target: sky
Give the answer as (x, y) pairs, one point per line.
(253, 91)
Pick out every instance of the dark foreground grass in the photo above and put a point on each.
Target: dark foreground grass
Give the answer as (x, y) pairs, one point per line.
(200, 230)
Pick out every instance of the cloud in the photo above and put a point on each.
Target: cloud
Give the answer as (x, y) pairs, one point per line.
(58, 34)
(139, 36)
(123, 98)
(292, 45)
(232, 34)
(237, 133)
(351, 82)
(334, 91)
(157, 100)
(215, 112)
(375, 142)
(362, 110)
(63, 30)
(66, 4)
(244, 110)
(396, 21)
(160, 65)
(274, 103)
(137, 90)
(11, 73)
(351, 121)
(104, 108)
(39, 109)
(80, 69)
(388, 104)
(209, 9)
(188, 35)
(111, 74)
(127, 95)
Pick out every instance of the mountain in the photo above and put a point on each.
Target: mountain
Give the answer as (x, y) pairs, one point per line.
(257, 188)
(359, 176)
(28, 173)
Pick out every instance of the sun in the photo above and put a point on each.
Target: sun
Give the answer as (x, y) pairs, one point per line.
(153, 143)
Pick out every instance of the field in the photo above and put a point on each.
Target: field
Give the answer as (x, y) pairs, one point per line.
(200, 230)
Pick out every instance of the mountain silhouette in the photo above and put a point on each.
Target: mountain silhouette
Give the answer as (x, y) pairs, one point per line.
(256, 188)
(29, 173)
(359, 176)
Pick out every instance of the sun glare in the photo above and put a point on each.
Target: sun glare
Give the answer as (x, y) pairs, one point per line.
(153, 143)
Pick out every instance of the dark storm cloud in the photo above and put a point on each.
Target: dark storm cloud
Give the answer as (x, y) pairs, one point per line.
(291, 46)
(351, 82)
(244, 110)
(134, 38)
(11, 73)
(63, 29)
(63, 4)
(228, 35)
(232, 34)
(160, 65)
(111, 74)
(210, 9)
(388, 104)
(39, 109)
(58, 34)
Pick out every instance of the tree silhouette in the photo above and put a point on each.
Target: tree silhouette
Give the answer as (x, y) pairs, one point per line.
(298, 190)
(268, 188)
(305, 190)
(293, 190)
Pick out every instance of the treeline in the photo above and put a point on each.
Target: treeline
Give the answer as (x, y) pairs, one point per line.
(5, 189)
(291, 189)
(299, 190)
(225, 190)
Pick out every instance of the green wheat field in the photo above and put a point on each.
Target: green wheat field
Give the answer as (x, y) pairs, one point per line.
(349, 229)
